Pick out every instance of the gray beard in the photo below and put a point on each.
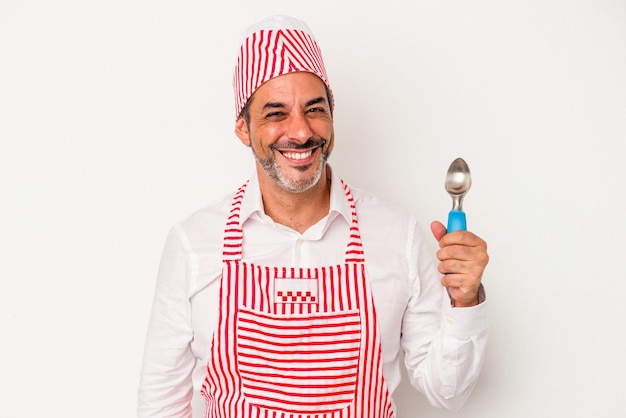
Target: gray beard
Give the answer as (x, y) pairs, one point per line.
(274, 172)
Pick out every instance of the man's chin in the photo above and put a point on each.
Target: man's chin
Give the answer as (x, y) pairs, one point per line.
(300, 184)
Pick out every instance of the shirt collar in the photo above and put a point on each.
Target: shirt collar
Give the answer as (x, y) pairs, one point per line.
(252, 204)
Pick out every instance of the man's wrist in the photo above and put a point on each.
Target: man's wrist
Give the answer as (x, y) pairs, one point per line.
(480, 298)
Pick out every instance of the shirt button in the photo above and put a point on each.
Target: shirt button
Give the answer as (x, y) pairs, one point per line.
(450, 319)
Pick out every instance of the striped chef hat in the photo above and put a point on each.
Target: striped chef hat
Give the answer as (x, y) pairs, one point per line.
(274, 46)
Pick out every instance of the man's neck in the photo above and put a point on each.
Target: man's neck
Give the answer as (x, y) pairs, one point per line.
(298, 211)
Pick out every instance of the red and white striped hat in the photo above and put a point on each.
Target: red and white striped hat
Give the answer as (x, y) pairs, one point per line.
(274, 46)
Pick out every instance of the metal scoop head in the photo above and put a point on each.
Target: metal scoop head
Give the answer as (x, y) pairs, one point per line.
(458, 182)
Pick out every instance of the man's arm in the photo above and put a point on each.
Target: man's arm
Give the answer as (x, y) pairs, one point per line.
(165, 388)
(444, 345)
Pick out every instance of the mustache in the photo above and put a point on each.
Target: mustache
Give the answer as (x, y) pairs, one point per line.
(310, 143)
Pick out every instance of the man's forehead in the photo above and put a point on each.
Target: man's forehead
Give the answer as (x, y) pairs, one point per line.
(306, 86)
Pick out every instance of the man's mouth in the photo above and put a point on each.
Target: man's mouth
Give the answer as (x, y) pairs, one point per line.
(300, 152)
(297, 155)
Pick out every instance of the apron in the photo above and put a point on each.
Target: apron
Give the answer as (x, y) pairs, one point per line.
(295, 342)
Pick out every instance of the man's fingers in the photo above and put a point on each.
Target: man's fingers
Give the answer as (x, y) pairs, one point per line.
(438, 230)
(466, 238)
(463, 258)
(463, 253)
(452, 280)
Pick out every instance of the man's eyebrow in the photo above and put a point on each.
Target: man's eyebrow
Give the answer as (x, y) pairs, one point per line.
(276, 105)
(320, 99)
(273, 105)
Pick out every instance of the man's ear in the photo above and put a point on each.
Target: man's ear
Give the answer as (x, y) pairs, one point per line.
(241, 130)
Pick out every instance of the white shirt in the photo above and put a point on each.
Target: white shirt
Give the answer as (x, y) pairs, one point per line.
(444, 346)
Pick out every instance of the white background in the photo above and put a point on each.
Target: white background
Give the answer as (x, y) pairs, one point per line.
(116, 120)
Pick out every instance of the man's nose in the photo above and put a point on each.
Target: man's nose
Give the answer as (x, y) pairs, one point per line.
(299, 127)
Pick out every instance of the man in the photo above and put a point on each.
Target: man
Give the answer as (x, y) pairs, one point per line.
(294, 296)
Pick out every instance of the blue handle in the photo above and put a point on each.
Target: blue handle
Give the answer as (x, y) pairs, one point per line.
(456, 221)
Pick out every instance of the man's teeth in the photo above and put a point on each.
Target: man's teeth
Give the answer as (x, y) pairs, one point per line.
(298, 155)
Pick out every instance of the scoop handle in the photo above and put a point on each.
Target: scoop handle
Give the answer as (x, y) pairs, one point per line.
(456, 221)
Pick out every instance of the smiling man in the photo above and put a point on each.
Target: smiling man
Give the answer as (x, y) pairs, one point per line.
(294, 296)
(288, 124)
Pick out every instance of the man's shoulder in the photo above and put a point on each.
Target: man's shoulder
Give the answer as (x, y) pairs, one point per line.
(382, 221)
(209, 220)
(387, 229)
(370, 203)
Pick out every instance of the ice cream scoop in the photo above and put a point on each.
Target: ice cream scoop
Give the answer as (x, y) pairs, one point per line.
(458, 183)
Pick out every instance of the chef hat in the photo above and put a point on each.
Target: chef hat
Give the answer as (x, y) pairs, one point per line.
(274, 46)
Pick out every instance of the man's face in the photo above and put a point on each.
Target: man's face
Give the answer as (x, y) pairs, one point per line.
(290, 131)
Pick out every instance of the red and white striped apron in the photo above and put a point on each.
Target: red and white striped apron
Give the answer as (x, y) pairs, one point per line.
(295, 342)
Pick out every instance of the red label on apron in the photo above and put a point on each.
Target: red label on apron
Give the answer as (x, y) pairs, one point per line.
(295, 290)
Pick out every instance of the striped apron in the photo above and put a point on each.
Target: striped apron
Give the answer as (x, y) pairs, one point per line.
(295, 342)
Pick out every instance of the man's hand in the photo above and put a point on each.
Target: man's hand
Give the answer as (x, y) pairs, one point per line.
(463, 258)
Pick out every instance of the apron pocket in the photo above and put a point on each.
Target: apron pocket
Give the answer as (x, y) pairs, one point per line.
(303, 364)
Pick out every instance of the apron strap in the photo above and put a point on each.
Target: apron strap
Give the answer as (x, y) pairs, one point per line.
(233, 233)
(354, 249)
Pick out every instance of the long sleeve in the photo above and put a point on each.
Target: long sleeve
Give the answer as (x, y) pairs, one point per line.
(444, 346)
(165, 388)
